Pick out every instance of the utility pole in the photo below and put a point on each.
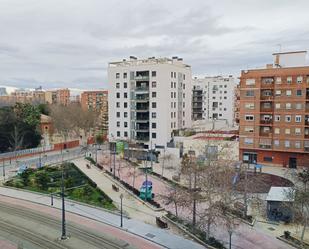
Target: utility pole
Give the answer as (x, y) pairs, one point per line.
(151, 155)
(163, 161)
(114, 160)
(63, 235)
(121, 218)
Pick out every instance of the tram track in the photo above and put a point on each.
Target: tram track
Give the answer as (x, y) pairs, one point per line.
(95, 240)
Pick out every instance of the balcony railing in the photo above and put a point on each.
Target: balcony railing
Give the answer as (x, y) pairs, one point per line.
(265, 146)
(141, 89)
(306, 122)
(141, 77)
(142, 138)
(262, 121)
(265, 134)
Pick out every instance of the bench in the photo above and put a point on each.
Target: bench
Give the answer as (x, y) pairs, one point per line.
(114, 187)
(160, 223)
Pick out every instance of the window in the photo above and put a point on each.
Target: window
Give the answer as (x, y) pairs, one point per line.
(183, 114)
(249, 117)
(125, 124)
(153, 125)
(184, 76)
(154, 105)
(297, 144)
(117, 75)
(184, 86)
(225, 97)
(125, 104)
(276, 142)
(249, 129)
(154, 135)
(277, 130)
(249, 105)
(118, 133)
(268, 159)
(287, 131)
(125, 114)
(249, 93)
(117, 104)
(171, 104)
(287, 144)
(153, 73)
(154, 84)
(277, 118)
(183, 105)
(248, 140)
(172, 74)
(174, 104)
(118, 114)
(278, 80)
(125, 85)
(117, 85)
(153, 114)
(278, 93)
(172, 84)
(154, 94)
(298, 118)
(289, 80)
(125, 75)
(297, 131)
(125, 95)
(171, 125)
(298, 106)
(117, 95)
(288, 105)
(298, 92)
(250, 82)
(174, 94)
(184, 95)
(125, 134)
(287, 118)
(277, 106)
(288, 92)
(172, 115)
(118, 123)
(299, 79)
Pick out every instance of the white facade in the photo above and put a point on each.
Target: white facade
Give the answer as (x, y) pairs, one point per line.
(214, 99)
(148, 99)
(290, 59)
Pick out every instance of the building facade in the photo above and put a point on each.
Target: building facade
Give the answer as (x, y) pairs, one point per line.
(59, 96)
(274, 112)
(148, 99)
(213, 98)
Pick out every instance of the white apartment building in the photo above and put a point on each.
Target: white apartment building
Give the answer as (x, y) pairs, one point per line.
(213, 98)
(148, 99)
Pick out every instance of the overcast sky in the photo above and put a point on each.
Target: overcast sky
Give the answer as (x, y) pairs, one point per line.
(67, 43)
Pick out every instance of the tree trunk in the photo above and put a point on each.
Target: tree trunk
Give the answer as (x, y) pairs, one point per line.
(176, 209)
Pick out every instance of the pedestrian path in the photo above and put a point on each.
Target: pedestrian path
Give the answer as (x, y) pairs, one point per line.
(149, 232)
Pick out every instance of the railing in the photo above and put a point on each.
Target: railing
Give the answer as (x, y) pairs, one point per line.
(265, 134)
(265, 146)
(141, 89)
(306, 122)
(141, 77)
(266, 121)
(142, 138)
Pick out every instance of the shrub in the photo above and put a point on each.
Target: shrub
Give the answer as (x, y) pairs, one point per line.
(287, 234)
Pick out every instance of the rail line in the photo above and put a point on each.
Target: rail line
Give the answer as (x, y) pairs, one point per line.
(95, 240)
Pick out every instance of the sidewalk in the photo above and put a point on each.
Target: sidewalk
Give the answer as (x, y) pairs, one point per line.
(133, 207)
(149, 232)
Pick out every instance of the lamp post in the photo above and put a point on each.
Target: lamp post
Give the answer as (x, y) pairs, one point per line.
(121, 218)
(63, 235)
(3, 168)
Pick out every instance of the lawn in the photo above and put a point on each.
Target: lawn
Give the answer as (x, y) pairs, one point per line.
(48, 180)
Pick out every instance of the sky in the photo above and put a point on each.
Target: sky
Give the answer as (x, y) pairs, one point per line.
(68, 43)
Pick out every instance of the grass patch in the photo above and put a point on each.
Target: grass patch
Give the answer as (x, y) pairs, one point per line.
(48, 180)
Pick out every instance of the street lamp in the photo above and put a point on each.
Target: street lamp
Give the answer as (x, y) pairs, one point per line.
(121, 218)
(63, 235)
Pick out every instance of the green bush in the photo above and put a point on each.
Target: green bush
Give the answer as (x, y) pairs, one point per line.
(90, 159)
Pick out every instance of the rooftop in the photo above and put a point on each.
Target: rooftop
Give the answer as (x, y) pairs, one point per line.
(283, 194)
(133, 61)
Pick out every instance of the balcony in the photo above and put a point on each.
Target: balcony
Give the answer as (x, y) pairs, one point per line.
(266, 122)
(142, 98)
(267, 83)
(140, 107)
(266, 109)
(141, 89)
(142, 129)
(141, 137)
(141, 78)
(142, 117)
(265, 146)
(265, 134)
(306, 136)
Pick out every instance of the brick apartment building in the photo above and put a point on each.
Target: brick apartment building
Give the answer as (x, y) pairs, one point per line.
(97, 101)
(274, 112)
(59, 96)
